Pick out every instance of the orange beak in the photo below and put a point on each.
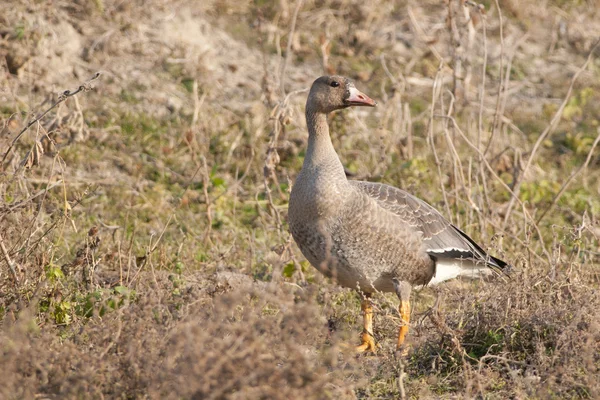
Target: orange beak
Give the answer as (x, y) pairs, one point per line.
(357, 98)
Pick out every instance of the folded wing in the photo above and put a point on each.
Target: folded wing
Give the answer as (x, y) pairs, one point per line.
(455, 253)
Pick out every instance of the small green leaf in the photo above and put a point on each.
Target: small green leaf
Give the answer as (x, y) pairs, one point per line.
(54, 273)
(112, 303)
(179, 267)
(289, 270)
(217, 181)
(188, 84)
(124, 290)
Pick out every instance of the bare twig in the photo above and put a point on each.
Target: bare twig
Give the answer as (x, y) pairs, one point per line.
(500, 181)
(402, 122)
(325, 50)
(549, 128)
(503, 95)
(458, 56)
(456, 160)
(206, 179)
(198, 103)
(422, 35)
(497, 114)
(11, 264)
(401, 375)
(116, 336)
(272, 157)
(85, 87)
(288, 50)
(154, 246)
(22, 203)
(444, 329)
(570, 178)
(483, 76)
(468, 54)
(437, 81)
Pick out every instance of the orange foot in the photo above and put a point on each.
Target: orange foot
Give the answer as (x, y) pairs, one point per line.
(368, 344)
(368, 341)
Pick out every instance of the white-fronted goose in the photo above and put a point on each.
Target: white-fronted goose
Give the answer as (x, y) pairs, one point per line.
(370, 236)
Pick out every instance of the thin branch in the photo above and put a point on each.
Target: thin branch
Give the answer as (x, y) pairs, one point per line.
(85, 87)
(549, 128)
(568, 181)
(11, 264)
(288, 50)
(272, 157)
(501, 105)
(206, 182)
(153, 246)
(436, 82)
(22, 203)
(401, 376)
(500, 70)
(502, 183)
(483, 76)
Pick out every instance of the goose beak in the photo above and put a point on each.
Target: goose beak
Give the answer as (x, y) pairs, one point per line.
(357, 98)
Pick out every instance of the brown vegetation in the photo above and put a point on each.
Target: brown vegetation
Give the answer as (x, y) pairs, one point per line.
(144, 250)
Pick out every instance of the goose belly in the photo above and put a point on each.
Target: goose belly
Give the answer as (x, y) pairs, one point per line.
(369, 262)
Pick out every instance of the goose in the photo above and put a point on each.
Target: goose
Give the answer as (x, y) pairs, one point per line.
(370, 236)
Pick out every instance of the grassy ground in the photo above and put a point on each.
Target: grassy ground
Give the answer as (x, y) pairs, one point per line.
(145, 250)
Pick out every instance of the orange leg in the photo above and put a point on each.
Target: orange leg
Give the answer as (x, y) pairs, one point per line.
(403, 290)
(405, 315)
(368, 340)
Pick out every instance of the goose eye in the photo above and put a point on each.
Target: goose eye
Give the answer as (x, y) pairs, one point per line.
(334, 84)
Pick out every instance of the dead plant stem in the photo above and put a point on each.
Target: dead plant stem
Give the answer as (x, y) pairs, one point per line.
(11, 264)
(502, 183)
(497, 114)
(85, 87)
(288, 50)
(436, 82)
(570, 179)
(545, 133)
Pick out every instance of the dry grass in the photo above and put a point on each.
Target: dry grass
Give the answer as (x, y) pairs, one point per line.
(144, 245)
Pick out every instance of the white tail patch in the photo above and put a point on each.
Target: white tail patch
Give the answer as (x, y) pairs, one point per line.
(447, 250)
(453, 268)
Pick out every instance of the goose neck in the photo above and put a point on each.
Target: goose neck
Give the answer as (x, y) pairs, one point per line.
(320, 152)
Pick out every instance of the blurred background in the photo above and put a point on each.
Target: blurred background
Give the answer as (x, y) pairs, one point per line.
(144, 243)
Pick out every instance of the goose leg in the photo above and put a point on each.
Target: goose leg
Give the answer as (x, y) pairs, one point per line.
(403, 290)
(368, 340)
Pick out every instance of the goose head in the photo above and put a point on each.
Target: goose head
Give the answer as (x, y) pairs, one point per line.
(330, 93)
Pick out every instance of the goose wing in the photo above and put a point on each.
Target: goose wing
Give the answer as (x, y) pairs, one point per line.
(442, 240)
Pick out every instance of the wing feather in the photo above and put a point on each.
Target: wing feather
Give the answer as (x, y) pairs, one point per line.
(440, 237)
